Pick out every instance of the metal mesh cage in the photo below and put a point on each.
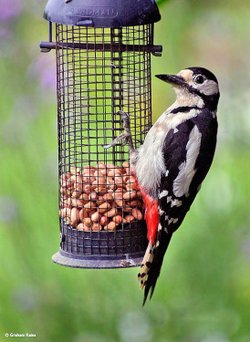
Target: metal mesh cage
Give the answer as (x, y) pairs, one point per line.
(97, 78)
(99, 72)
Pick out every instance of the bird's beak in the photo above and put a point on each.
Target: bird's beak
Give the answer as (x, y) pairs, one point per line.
(173, 79)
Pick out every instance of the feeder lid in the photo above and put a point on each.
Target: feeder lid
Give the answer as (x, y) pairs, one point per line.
(102, 13)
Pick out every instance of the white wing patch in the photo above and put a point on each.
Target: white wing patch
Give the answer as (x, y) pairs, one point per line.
(186, 169)
(164, 193)
(176, 203)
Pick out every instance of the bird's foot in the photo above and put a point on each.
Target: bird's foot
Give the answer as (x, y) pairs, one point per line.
(126, 136)
(117, 140)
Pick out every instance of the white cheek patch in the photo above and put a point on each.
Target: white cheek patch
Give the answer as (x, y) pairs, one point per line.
(186, 74)
(208, 88)
(186, 169)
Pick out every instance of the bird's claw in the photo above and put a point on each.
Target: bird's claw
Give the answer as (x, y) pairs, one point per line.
(117, 140)
(125, 136)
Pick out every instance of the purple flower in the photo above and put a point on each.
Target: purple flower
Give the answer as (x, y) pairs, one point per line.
(10, 9)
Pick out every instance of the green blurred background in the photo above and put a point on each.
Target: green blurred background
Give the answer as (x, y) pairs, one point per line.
(203, 293)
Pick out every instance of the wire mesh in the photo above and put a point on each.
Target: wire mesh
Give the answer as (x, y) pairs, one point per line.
(99, 72)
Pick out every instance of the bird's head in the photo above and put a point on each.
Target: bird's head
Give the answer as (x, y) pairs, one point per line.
(195, 84)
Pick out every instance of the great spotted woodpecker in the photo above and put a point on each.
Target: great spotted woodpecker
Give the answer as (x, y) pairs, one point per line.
(173, 161)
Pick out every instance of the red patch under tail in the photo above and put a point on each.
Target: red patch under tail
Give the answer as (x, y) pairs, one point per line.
(151, 214)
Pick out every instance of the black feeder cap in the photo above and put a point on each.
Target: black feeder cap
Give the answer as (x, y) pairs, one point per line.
(102, 13)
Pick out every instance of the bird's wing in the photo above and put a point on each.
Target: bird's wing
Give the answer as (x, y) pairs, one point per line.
(181, 150)
(188, 154)
(168, 205)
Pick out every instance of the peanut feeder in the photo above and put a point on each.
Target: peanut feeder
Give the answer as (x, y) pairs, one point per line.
(103, 55)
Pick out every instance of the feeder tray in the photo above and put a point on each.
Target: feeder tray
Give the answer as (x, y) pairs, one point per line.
(103, 58)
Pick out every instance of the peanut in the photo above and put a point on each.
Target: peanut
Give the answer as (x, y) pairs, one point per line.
(76, 194)
(127, 209)
(101, 190)
(87, 222)
(129, 218)
(108, 197)
(137, 214)
(110, 180)
(91, 198)
(114, 173)
(113, 187)
(112, 212)
(104, 207)
(100, 181)
(104, 220)
(80, 226)
(89, 205)
(76, 178)
(102, 166)
(74, 170)
(125, 164)
(119, 203)
(95, 217)
(129, 195)
(118, 195)
(65, 212)
(88, 169)
(110, 226)
(87, 188)
(88, 179)
(134, 203)
(76, 202)
(97, 173)
(119, 181)
(65, 176)
(96, 227)
(84, 197)
(100, 200)
(74, 217)
(67, 183)
(117, 219)
(103, 172)
(83, 213)
(126, 178)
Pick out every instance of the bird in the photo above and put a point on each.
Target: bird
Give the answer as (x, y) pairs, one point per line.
(173, 161)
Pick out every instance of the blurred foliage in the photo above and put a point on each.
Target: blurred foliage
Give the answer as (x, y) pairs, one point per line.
(159, 2)
(203, 294)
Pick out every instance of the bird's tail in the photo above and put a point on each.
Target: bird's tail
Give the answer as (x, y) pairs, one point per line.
(151, 264)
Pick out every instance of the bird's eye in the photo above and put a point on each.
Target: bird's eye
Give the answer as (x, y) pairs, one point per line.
(199, 79)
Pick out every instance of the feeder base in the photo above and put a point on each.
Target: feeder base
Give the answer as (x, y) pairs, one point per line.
(66, 259)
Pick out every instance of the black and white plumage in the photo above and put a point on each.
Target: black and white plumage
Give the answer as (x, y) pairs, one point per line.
(173, 161)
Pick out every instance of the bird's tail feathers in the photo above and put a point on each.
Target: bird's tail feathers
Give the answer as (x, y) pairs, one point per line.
(145, 265)
(151, 264)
